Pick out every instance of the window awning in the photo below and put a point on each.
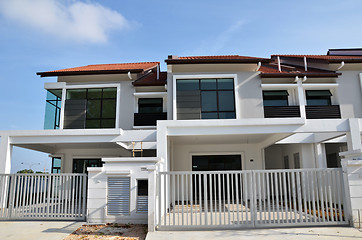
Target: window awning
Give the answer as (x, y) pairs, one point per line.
(276, 93)
(319, 93)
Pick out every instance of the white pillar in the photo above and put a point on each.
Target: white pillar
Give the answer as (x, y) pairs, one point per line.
(320, 155)
(354, 135)
(352, 172)
(152, 199)
(352, 169)
(6, 150)
(301, 98)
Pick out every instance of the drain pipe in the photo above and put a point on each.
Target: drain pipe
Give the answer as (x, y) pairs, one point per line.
(129, 75)
(305, 64)
(341, 66)
(279, 67)
(158, 71)
(257, 68)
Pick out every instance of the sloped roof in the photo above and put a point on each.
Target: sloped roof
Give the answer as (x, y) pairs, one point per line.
(271, 70)
(214, 59)
(151, 80)
(328, 58)
(102, 69)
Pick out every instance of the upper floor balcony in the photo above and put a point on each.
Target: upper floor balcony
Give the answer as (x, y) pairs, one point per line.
(318, 105)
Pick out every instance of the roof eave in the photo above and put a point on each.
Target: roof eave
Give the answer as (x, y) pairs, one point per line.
(216, 61)
(289, 75)
(345, 60)
(98, 72)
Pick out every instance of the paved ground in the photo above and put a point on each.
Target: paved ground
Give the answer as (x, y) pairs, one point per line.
(329, 233)
(40, 230)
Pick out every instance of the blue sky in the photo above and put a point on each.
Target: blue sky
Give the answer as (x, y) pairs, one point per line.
(41, 35)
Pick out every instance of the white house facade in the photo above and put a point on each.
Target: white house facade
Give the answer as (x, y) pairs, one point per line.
(216, 142)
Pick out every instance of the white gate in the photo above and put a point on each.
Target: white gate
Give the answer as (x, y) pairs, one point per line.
(250, 199)
(43, 196)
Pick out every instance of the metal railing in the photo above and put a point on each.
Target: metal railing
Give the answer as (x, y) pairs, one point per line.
(43, 196)
(247, 199)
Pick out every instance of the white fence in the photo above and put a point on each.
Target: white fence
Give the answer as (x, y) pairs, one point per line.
(248, 199)
(43, 196)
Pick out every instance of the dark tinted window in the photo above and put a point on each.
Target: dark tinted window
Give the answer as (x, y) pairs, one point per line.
(318, 97)
(150, 105)
(142, 187)
(275, 98)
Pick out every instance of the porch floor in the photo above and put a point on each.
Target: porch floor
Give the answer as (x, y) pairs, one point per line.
(330, 233)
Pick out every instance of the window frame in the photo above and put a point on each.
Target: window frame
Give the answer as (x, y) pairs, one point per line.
(326, 97)
(64, 87)
(140, 99)
(286, 96)
(206, 76)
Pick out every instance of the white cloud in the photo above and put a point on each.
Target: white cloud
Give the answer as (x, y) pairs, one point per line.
(69, 20)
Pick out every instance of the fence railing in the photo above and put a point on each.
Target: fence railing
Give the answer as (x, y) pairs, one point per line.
(237, 199)
(43, 196)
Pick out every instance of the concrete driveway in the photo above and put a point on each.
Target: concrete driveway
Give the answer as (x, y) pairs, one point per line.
(330, 233)
(40, 230)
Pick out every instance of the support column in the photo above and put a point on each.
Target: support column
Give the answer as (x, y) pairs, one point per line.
(152, 199)
(352, 170)
(301, 98)
(6, 150)
(320, 155)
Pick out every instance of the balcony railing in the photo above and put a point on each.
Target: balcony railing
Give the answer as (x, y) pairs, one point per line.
(148, 119)
(281, 111)
(320, 112)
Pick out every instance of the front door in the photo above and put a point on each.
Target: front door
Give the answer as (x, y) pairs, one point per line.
(215, 163)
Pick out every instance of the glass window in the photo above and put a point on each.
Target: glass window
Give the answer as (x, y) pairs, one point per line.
(208, 84)
(94, 93)
(80, 165)
(225, 84)
(142, 187)
(226, 101)
(109, 92)
(275, 98)
(208, 101)
(76, 93)
(56, 164)
(150, 105)
(217, 96)
(211, 115)
(93, 109)
(187, 84)
(101, 106)
(318, 97)
(52, 109)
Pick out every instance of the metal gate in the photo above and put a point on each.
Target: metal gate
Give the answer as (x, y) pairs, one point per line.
(43, 196)
(250, 199)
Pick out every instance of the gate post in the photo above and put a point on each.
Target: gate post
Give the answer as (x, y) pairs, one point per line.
(152, 195)
(352, 180)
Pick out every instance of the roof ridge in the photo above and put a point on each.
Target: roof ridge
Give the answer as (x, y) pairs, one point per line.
(120, 63)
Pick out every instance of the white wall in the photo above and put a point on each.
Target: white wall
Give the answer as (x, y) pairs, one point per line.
(350, 94)
(353, 169)
(97, 190)
(181, 157)
(274, 155)
(248, 84)
(68, 155)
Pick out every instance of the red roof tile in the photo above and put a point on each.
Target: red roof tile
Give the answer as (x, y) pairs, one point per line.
(102, 69)
(271, 70)
(151, 79)
(215, 59)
